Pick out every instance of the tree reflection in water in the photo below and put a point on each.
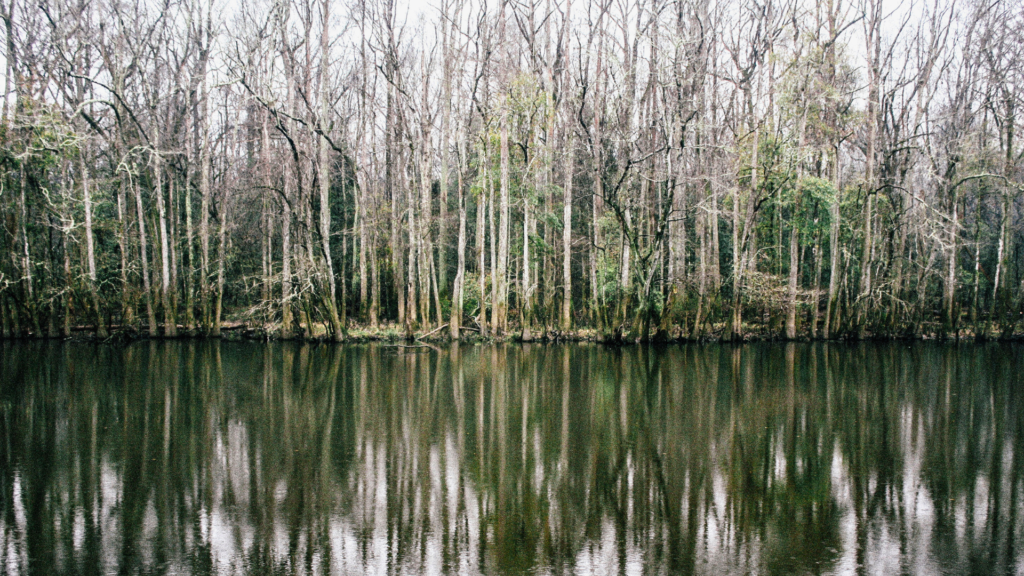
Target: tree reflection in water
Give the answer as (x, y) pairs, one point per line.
(205, 457)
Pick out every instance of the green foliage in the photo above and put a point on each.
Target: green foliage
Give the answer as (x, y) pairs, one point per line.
(817, 89)
(778, 165)
(539, 247)
(808, 203)
(472, 301)
(530, 106)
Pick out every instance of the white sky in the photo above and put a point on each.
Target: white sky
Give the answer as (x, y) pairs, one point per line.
(418, 16)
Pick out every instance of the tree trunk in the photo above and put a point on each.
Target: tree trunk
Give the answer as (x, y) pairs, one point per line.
(997, 307)
(434, 287)
(375, 287)
(170, 322)
(221, 257)
(714, 269)
(977, 273)
(816, 303)
(831, 308)
(865, 290)
(204, 214)
(526, 295)
(266, 221)
(147, 290)
(392, 163)
(736, 316)
(286, 258)
(702, 277)
(738, 239)
(424, 248)
(493, 245)
(173, 237)
(90, 251)
(127, 311)
(26, 260)
(455, 323)
(794, 265)
(413, 310)
(66, 300)
(501, 305)
(794, 236)
(325, 190)
(190, 322)
(566, 321)
(360, 216)
(873, 25)
(442, 225)
(950, 303)
(343, 274)
(481, 248)
(625, 274)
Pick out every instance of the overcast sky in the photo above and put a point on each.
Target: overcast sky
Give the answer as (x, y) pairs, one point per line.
(419, 16)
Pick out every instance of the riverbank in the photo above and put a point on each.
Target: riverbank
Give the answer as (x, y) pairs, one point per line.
(395, 333)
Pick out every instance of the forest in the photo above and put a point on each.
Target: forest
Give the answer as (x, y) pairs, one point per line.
(623, 170)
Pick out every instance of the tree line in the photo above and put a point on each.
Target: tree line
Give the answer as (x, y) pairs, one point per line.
(644, 169)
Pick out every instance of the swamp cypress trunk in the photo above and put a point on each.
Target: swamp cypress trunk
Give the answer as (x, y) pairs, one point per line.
(566, 320)
(147, 290)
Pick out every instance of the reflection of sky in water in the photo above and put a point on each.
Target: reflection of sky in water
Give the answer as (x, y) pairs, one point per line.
(551, 460)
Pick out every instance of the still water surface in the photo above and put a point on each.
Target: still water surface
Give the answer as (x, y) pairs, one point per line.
(225, 458)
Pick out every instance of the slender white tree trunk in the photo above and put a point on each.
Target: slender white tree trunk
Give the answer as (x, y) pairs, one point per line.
(501, 306)
(325, 182)
(566, 322)
(90, 249)
(170, 322)
(146, 286)
(455, 323)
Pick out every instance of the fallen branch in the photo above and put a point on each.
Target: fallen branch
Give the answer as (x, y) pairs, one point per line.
(432, 331)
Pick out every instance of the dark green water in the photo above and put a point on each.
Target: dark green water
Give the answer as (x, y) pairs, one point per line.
(198, 458)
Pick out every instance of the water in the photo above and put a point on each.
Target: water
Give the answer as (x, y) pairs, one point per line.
(199, 458)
